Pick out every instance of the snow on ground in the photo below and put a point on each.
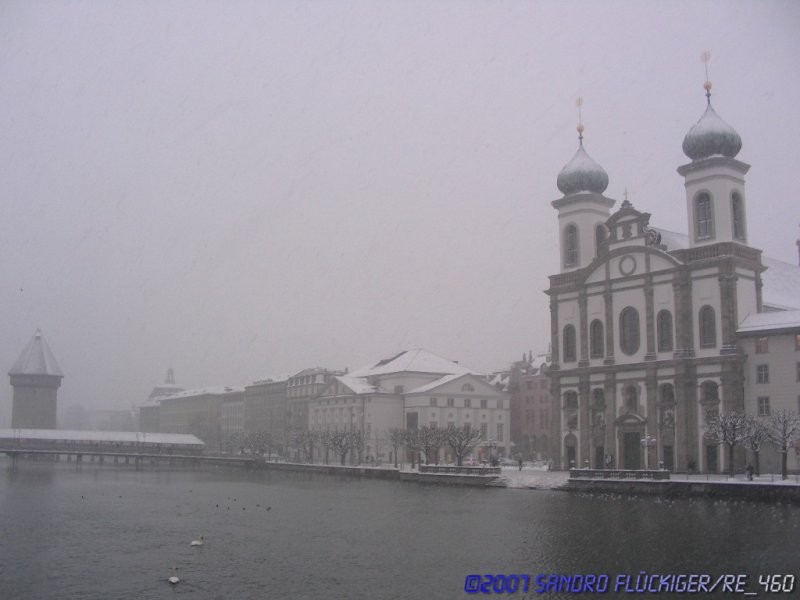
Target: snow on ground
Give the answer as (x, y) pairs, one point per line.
(541, 479)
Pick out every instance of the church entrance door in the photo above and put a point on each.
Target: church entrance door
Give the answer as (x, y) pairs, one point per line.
(631, 447)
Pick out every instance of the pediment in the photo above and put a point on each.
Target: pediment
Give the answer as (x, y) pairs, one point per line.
(629, 261)
(630, 419)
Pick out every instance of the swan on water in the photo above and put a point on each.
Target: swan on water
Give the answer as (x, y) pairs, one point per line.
(198, 542)
(173, 579)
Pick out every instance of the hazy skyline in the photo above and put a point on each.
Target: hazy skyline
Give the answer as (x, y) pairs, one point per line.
(242, 189)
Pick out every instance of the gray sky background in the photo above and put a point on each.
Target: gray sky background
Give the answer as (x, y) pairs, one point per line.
(239, 189)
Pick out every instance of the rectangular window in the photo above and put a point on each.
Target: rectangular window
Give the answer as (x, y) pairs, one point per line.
(483, 402)
(500, 402)
(762, 345)
(450, 403)
(398, 389)
(530, 384)
(763, 406)
(467, 403)
(433, 401)
(762, 374)
(484, 431)
(499, 432)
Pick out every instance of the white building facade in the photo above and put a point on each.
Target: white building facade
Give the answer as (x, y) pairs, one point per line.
(644, 322)
(408, 391)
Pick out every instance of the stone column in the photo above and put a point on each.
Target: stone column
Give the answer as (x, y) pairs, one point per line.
(610, 393)
(650, 320)
(556, 438)
(608, 301)
(651, 402)
(684, 313)
(555, 353)
(584, 328)
(727, 307)
(584, 416)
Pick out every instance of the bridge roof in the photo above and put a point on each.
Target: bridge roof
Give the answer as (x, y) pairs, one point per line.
(174, 439)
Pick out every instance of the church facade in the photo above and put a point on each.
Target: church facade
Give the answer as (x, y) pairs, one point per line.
(644, 322)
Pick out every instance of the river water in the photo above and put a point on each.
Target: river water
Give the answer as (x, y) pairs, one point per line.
(101, 532)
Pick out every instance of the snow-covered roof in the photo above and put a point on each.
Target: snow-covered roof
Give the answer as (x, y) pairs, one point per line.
(434, 384)
(36, 359)
(499, 379)
(781, 284)
(781, 289)
(781, 319)
(219, 390)
(359, 385)
(415, 361)
(100, 436)
(272, 379)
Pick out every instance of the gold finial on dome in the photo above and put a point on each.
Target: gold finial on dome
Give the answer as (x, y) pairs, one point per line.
(705, 57)
(579, 103)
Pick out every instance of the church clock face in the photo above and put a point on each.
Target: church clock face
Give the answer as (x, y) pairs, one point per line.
(627, 265)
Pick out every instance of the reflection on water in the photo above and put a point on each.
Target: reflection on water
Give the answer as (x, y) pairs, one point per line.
(106, 533)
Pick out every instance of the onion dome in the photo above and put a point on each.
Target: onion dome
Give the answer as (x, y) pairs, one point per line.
(582, 173)
(711, 136)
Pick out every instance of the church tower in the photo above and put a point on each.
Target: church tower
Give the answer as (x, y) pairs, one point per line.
(583, 210)
(714, 180)
(35, 378)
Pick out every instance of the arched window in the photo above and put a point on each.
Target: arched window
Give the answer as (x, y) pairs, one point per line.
(599, 238)
(710, 391)
(569, 344)
(629, 330)
(664, 327)
(596, 345)
(467, 387)
(570, 399)
(737, 216)
(631, 399)
(708, 327)
(571, 246)
(704, 216)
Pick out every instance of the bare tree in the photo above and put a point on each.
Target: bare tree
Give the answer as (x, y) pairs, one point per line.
(396, 437)
(757, 434)
(234, 442)
(784, 426)
(728, 429)
(325, 439)
(413, 444)
(461, 440)
(358, 440)
(431, 440)
(341, 442)
(305, 440)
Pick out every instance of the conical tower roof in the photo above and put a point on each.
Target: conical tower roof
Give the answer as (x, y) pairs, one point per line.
(36, 359)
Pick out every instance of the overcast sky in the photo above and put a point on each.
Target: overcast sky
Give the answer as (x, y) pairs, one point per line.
(240, 189)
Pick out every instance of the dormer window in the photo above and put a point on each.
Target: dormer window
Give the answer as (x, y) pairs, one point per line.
(570, 246)
(704, 217)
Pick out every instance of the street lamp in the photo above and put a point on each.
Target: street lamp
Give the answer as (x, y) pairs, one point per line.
(492, 446)
(648, 441)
